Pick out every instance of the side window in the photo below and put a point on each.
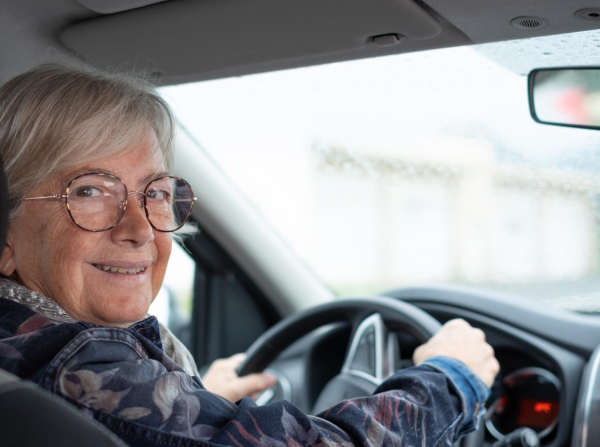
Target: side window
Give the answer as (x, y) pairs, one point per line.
(174, 302)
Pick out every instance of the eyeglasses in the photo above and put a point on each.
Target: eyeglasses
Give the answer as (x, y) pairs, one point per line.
(97, 202)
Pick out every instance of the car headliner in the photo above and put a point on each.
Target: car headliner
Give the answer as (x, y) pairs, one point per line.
(190, 40)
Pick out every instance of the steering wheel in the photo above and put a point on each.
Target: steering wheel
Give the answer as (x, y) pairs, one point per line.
(371, 356)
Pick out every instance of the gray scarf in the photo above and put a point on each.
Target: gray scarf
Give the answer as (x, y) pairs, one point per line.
(53, 311)
(35, 301)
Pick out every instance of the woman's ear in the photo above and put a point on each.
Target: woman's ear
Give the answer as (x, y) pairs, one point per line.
(7, 261)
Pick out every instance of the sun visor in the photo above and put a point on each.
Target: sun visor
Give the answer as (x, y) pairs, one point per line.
(112, 6)
(180, 38)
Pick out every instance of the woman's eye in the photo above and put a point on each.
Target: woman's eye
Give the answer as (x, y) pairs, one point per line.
(87, 191)
(158, 194)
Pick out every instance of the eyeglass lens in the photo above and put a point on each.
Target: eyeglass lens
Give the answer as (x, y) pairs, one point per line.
(169, 201)
(96, 202)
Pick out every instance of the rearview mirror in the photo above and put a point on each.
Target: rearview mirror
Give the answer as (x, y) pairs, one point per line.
(566, 96)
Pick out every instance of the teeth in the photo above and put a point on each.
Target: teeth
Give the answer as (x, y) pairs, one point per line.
(122, 270)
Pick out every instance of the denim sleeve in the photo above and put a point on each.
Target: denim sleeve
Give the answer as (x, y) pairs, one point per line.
(472, 391)
(148, 401)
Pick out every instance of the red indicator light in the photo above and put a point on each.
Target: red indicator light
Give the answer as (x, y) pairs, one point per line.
(542, 407)
(535, 414)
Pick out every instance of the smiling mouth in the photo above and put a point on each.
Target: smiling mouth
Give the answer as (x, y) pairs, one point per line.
(122, 270)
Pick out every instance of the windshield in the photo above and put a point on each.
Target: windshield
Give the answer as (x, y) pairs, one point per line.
(423, 168)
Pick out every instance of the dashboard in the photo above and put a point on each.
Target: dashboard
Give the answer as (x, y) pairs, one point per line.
(550, 364)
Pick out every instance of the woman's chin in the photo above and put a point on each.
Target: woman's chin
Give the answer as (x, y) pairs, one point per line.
(118, 305)
(123, 314)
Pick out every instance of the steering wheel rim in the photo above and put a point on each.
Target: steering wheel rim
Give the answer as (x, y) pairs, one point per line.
(395, 313)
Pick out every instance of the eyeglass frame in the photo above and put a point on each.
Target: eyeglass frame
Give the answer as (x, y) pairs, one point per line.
(123, 204)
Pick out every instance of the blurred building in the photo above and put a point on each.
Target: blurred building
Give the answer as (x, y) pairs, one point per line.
(445, 210)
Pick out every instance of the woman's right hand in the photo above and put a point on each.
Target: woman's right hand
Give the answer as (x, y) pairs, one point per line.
(458, 339)
(222, 379)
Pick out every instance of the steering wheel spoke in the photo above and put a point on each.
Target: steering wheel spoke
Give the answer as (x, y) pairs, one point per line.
(373, 352)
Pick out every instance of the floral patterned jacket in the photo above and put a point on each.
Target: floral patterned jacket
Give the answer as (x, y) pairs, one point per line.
(123, 379)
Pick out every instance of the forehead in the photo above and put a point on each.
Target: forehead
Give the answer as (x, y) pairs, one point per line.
(134, 166)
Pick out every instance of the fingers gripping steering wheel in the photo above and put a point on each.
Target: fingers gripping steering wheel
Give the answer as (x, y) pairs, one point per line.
(371, 356)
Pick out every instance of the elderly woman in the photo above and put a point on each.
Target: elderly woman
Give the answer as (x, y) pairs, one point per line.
(92, 211)
(99, 283)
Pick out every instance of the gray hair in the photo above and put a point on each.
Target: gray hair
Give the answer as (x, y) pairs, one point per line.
(54, 117)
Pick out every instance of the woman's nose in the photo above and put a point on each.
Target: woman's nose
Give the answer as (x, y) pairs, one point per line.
(134, 227)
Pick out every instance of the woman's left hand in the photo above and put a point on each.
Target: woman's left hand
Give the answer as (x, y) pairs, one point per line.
(222, 379)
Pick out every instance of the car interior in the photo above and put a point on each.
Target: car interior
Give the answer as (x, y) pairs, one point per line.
(365, 171)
